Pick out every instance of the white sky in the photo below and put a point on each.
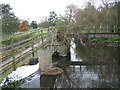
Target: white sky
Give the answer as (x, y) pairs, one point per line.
(38, 9)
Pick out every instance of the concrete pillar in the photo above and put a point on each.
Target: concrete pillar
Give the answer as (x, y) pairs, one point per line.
(63, 50)
(45, 59)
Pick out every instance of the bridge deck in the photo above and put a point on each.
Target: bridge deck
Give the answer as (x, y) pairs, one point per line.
(96, 34)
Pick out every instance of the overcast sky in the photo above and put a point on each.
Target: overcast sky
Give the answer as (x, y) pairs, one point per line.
(38, 9)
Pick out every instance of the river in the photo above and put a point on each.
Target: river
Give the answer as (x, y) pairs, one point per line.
(100, 69)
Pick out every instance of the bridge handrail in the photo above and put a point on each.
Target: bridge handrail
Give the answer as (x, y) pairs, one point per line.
(21, 33)
(31, 44)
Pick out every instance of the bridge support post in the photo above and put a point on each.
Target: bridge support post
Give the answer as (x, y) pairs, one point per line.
(63, 50)
(45, 59)
(13, 53)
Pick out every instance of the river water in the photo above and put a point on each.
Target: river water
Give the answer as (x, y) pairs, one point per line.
(88, 67)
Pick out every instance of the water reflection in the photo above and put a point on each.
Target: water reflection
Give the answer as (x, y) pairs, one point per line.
(47, 81)
(90, 76)
(96, 54)
(83, 77)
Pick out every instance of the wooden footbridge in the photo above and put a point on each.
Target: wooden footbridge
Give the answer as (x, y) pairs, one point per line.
(17, 49)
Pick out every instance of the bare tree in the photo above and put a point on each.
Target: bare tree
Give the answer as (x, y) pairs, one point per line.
(71, 10)
(108, 3)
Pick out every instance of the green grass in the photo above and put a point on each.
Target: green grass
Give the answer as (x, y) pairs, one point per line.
(13, 85)
(105, 39)
(34, 32)
(96, 31)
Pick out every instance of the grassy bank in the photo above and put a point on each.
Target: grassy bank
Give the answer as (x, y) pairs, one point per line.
(107, 41)
(6, 39)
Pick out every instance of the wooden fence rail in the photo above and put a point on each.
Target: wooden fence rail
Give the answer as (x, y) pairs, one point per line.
(18, 49)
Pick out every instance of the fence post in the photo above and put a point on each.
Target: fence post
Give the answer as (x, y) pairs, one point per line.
(42, 37)
(49, 33)
(13, 53)
(88, 30)
(32, 41)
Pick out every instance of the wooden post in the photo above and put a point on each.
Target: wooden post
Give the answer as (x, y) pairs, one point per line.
(49, 37)
(94, 30)
(107, 30)
(42, 37)
(32, 41)
(88, 29)
(13, 53)
(52, 34)
(48, 32)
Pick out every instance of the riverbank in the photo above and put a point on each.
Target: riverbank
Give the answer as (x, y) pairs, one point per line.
(102, 41)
